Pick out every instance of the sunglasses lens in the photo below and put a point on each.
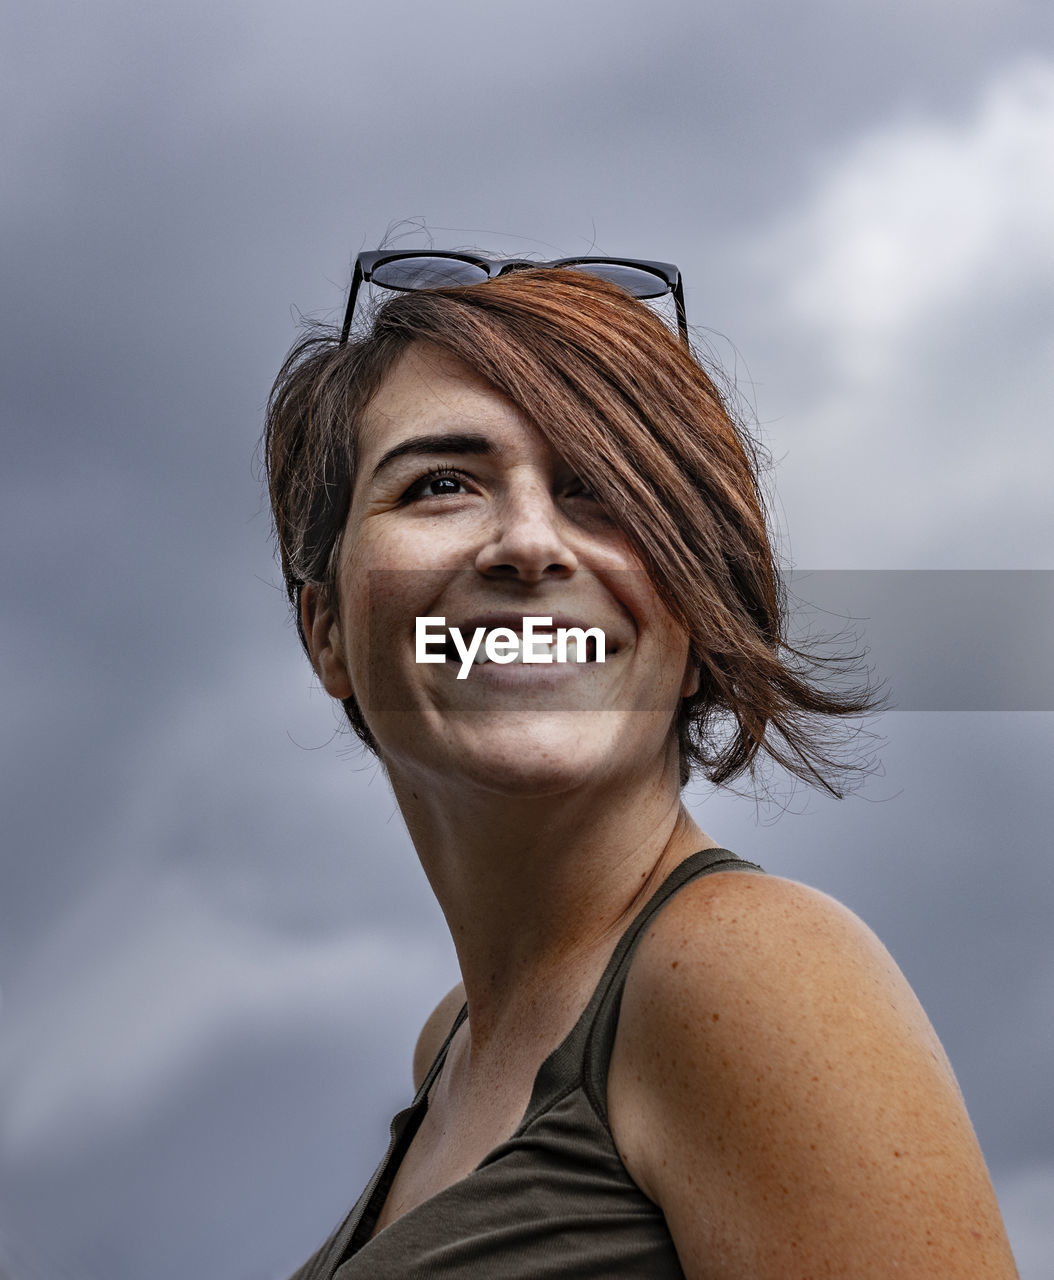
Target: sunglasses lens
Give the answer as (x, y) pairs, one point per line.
(426, 272)
(635, 280)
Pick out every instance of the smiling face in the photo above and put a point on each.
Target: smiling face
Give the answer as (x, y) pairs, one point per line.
(462, 510)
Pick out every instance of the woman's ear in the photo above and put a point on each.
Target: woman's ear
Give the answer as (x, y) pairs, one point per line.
(692, 679)
(325, 644)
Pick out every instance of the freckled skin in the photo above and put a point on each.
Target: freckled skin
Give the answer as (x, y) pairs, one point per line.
(781, 1073)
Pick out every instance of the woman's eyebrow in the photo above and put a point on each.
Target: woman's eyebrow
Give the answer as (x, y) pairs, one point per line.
(440, 442)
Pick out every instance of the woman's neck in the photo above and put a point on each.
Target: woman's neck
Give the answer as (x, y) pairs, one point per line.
(533, 887)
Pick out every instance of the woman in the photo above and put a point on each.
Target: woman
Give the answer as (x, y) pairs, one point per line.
(661, 1062)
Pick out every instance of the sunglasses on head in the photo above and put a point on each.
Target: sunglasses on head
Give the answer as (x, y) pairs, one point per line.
(406, 269)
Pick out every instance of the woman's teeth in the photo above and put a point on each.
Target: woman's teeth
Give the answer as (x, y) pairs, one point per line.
(573, 648)
(541, 648)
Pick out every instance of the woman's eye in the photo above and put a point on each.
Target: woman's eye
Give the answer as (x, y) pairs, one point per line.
(437, 484)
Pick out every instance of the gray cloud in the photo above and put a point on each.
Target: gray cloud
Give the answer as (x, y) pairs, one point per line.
(215, 944)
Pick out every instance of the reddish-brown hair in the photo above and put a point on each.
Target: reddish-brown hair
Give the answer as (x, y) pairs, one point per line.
(641, 421)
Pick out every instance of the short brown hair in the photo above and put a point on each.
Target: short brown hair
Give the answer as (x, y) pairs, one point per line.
(637, 416)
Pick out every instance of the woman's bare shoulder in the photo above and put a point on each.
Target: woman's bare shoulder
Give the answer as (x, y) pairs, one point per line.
(434, 1032)
(736, 934)
(773, 1064)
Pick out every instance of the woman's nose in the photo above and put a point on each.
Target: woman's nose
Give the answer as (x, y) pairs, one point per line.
(529, 538)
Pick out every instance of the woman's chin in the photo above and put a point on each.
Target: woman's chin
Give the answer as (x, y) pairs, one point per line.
(524, 755)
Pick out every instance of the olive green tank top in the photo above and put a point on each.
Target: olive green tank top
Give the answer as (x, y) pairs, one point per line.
(554, 1200)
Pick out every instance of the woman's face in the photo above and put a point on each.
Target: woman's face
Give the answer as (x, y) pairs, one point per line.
(462, 511)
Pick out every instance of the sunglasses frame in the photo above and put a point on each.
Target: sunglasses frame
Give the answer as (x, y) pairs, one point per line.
(367, 262)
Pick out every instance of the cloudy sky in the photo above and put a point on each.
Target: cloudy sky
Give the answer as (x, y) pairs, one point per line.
(216, 948)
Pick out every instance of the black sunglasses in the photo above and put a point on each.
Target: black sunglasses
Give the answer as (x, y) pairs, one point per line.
(406, 269)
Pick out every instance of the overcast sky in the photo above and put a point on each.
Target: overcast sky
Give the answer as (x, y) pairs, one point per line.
(216, 947)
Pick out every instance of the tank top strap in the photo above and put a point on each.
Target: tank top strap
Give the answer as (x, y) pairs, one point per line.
(600, 1020)
(358, 1226)
(440, 1057)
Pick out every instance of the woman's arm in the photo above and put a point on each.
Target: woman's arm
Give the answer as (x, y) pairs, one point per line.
(777, 1089)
